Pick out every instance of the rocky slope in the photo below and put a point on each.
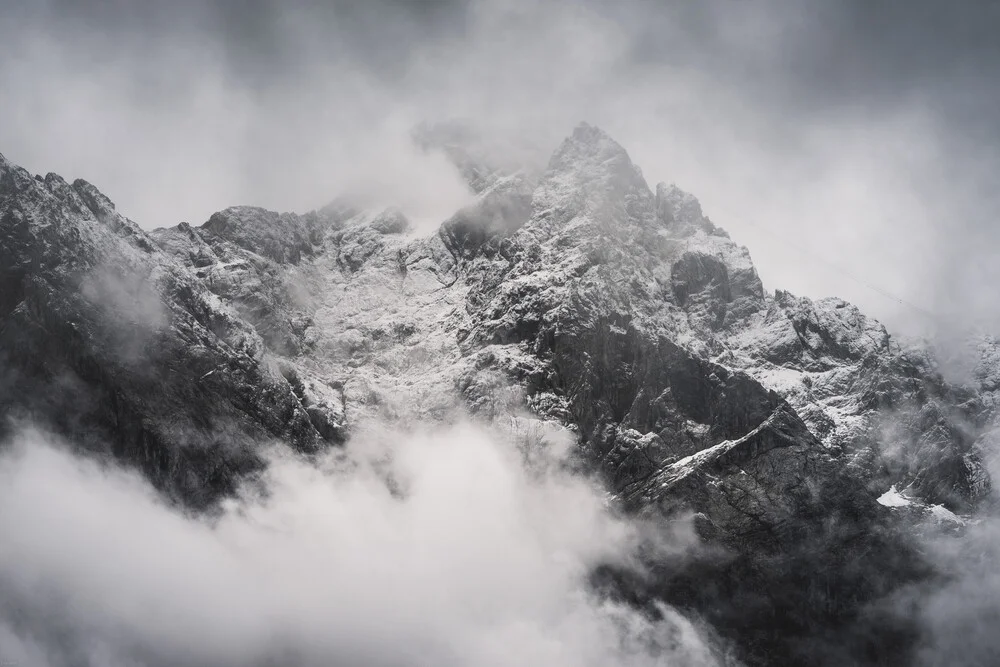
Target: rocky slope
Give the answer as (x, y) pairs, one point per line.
(104, 337)
(578, 298)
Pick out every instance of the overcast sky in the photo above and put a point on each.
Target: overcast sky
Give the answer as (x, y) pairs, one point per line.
(861, 134)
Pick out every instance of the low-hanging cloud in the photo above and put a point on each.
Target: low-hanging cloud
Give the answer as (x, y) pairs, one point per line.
(862, 135)
(958, 619)
(959, 616)
(466, 559)
(951, 615)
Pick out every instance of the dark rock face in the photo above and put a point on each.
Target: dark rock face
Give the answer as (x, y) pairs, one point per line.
(499, 212)
(280, 237)
(250, 283)
(106, 339)
(581, 296)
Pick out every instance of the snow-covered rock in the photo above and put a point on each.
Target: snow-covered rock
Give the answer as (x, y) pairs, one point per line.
(110, 340)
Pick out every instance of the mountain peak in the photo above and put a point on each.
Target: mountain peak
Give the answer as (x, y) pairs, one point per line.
(13, 175)
(591, 168)
(588, 143)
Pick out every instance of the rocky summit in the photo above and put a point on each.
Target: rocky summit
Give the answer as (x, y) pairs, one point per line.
(577, 298)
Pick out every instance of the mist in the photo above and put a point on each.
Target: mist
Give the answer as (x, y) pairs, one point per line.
(466, 558)
(851, 148)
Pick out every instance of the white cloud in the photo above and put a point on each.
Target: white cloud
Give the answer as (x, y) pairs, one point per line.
(173, 129)
(479, 564)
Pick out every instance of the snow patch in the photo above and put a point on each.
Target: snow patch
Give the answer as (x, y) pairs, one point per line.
(893, 498)
(943, 514)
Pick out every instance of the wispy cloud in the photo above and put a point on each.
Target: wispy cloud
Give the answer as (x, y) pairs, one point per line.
(863, 134)
(471, 560)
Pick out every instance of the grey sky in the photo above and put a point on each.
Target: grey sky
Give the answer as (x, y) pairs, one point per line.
(864, 132)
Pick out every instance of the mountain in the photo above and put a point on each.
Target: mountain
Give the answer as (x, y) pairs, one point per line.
(578, 299)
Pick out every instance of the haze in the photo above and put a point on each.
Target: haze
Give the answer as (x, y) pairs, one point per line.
(860, 135)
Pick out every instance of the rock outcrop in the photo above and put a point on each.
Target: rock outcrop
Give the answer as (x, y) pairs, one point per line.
(108, 339)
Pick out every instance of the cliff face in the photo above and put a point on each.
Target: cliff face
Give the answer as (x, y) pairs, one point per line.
(579, 296)
(114, 343)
